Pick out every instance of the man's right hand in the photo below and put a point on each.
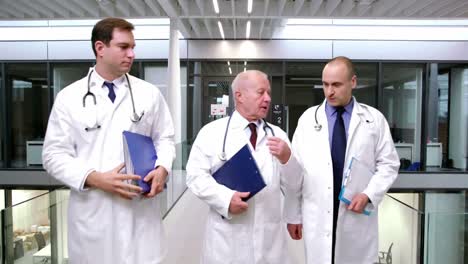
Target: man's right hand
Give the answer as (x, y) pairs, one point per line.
(238, 206)
(114, 182)
(295, 231)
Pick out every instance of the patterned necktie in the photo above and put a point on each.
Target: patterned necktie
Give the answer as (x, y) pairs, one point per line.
(338, 151)
(111, 94)
(253, 134)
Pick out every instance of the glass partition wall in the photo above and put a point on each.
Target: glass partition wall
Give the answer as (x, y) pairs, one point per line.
(447, 140)
(3, 116)
(28, 100)
(402, 86)
(399, 90)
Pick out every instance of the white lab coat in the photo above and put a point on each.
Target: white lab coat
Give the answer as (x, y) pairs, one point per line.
(310, 201)
(255, 236)
(103, 227)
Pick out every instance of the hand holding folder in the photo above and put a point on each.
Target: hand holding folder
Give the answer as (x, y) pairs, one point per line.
(356, 179)
(140, 157)
(241, 173)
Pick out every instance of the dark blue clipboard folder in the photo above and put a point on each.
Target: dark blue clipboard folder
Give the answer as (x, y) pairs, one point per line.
(140, 157)
(241, 173)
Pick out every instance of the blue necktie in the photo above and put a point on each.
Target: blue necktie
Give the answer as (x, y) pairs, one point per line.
(111, 91)
(338, 151)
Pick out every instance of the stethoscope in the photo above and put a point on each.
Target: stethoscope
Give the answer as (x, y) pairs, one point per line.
(318, 126)
(134, 117)
(222, 155)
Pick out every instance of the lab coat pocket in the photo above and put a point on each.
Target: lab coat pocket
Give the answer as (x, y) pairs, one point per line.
(218, 240)
(144, 126)
(86, 133)
(353, 226)
(273, 242)
(228, 241)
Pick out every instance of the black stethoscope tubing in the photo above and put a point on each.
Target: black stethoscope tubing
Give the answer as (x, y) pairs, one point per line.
(135, 117)
(222, 156)
(318, 126)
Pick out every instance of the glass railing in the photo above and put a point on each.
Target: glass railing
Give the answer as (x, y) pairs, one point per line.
(423, 227)
(446, 238)
(27, 228)
(446, 228)
(35, 230)
(400, 219)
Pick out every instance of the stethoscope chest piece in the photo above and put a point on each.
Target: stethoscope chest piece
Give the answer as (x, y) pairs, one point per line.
(222, 156)
(318, 127)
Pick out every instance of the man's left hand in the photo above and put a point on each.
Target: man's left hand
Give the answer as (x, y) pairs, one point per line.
(358, 203)
(157, 177)
(279, 148)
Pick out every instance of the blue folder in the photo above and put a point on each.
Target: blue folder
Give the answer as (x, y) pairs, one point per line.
(241, 173)
(140, 157)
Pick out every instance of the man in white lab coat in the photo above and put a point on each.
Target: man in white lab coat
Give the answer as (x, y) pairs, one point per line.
(327, 138)
(109, 220)
(238, 231)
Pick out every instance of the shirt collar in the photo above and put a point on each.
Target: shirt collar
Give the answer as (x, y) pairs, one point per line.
(348, 108)
(240, 121)
(100, 80)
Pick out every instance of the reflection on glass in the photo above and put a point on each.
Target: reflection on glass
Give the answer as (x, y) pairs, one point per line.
(156, 73)
(303, 89)
(64, 74)
(232, 68)
(2, 124)
(366, 89)
(440, 135)
(445, 228)
(400, 216)
(458, 111)
(217, 98)
(29, 100)
(61, 218)
(30, 227)
(402, 88)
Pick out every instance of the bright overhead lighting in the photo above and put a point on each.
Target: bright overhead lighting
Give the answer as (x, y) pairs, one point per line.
(245, 63)
(378, 22)
(221, 31)
(216, 7)
(230, 71)
(245, 69)
(247, 30)
(249, 6)
(229, 63)
(309, 21)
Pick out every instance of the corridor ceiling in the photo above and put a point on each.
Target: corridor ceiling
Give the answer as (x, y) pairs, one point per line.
(197, 19)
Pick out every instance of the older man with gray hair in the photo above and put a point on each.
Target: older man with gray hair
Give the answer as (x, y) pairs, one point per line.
(239, 231)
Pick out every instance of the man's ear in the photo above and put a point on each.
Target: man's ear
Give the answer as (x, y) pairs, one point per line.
(238, 96)
(99, 47)
(353, 81)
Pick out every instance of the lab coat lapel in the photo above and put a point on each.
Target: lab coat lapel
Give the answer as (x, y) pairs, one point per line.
(353, 125)
(262, 151)
(121, 96)
(238, 125)
(103, 104)
(236, 137)
(321, 139)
